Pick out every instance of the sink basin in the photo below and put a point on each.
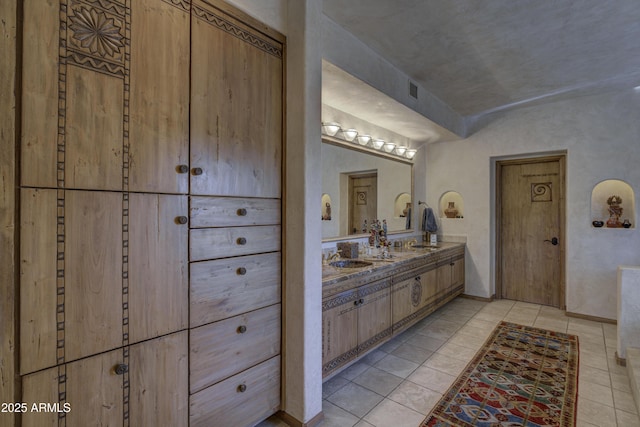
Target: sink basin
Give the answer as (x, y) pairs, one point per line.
(350, 263)
(424, 246)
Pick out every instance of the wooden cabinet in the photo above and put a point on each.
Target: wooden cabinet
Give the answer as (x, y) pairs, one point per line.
(354, 322)
(151, 144)
(360, 317)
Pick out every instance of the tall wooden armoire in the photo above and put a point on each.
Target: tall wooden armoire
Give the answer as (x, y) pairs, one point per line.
(150, 213)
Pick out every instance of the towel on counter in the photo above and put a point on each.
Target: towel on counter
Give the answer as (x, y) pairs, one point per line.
(408, 220)
(429, 221)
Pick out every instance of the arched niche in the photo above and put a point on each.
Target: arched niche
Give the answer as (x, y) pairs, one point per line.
(326, 207)
(605, 207)
(451, 205)
(402, 203)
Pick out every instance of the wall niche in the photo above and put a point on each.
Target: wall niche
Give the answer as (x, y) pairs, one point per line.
(451, 205)
(326, 207)
(613, 205)
(402, 205)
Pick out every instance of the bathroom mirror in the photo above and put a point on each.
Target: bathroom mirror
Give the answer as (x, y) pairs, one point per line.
(386, 179)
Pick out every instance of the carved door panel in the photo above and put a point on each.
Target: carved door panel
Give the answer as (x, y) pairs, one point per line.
(339, 330)
(236, 107)
(374, 314)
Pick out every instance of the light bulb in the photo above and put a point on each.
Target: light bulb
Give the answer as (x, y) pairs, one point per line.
(330, 128)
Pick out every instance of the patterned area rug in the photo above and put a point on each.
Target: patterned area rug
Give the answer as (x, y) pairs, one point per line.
(522, 376)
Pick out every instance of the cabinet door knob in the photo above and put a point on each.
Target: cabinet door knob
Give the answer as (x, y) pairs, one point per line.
(182, 168)
(242, 329)
(242, 212)
(241, 271)
(361, 301)
(120, 369)
(197, 171)
(241, 241)
(182, 220)
(242, 388)
(418, 278)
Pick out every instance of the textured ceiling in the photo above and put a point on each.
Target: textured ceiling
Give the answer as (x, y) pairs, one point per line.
(482, 56)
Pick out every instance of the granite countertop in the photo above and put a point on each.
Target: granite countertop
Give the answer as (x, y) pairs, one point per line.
(335, 279)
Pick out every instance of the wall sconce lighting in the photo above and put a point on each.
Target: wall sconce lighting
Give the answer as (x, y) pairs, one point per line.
(400, 150)
(330, 128)
(389, 146)
(410, 153)
(350, 134)
(378, 143)
(364, 139)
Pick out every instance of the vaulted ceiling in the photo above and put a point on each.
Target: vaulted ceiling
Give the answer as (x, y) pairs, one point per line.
(484, 56)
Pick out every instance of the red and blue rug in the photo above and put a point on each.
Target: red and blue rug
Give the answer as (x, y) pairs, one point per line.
(522, 376)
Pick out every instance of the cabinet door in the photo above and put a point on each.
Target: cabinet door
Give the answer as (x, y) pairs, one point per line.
(158, 288)
(403, 301)
(443, 277)
(457, 272)
(374, 314)
(429, 283)
(159, 104)
(339, 330)
(158, 374)
(236, 107)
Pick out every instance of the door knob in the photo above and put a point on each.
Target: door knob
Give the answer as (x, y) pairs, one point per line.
(553, 241)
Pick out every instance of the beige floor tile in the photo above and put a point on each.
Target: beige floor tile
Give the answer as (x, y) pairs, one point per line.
(432, 379)
(596, 413)
(624, 401)
(273, 421)
(596, 393)
(354, 370)
(426, 342)
(334, 384)
(465, 340)
(489, 316)
(390, 413)
(362, 423)
(620, 382)
(396, 365)
(334, 416)
(598, 376)
(446, 364)
(416, 397)
(412, 353)
(372, 357)
(625, 419)
(355, 399)
(378, 381)
(595, 360)
(457, 352)
(440, 329)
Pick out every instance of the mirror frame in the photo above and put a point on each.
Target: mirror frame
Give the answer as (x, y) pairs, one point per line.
(326, 139)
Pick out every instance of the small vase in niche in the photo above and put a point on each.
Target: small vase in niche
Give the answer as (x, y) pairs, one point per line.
(451, 211)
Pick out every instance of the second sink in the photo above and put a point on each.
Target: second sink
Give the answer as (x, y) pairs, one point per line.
(350, 263)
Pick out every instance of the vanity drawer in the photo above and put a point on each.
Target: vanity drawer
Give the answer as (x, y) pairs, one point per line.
(222, 349)
(232, 211)
(212, 243)
(242, 400)
(227, 287)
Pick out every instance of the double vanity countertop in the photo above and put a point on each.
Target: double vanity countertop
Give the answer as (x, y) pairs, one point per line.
(338, 279)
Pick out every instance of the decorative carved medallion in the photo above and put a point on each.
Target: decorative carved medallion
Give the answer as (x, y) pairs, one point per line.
(541, 192)
(361, 198)
(96, 32)
(416, 293)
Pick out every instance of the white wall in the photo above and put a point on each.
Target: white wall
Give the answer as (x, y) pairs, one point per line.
(601, 135)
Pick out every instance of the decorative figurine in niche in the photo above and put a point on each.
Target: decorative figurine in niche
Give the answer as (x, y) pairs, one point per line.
(615, 211)
(365, 227)
(451, 211)
(327, 212)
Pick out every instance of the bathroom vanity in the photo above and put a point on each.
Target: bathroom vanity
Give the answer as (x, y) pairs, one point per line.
(364, 307)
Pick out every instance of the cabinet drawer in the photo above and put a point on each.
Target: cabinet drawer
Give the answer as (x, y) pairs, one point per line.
(211, 243)
(227, 287)
(231, 211)
(242, 400)
(222, 349)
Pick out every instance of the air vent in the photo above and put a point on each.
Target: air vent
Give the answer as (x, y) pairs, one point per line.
(413, 90)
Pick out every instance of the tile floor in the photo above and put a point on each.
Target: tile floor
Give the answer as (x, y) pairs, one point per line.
(398, 384)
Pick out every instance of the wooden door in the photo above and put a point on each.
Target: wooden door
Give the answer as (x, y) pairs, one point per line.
(236, 107)
(374, 314)
(530, 242)
(339, 330)
(363, 201)
(159, 97)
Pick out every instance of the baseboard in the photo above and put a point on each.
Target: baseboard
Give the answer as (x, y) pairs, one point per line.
(594, 318)
(294, 422)
(473, 297)
(620, 361)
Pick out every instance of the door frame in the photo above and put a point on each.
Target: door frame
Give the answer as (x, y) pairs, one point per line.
(499, 163)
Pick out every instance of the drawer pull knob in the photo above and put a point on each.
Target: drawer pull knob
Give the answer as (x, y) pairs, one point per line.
(418, 278)
(242, 329)
(242, 212)
(241, 241)
(361, 301)
(182, 168)
(121, 369)
(197, 171)
(242, 388)
(241, 271)
(182, 220)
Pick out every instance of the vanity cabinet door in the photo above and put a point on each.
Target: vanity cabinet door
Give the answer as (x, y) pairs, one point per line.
(374, 314)
(405, 300)
(457, 272)
(339, 330)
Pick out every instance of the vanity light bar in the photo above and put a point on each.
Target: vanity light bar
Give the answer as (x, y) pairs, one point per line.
(351, 135)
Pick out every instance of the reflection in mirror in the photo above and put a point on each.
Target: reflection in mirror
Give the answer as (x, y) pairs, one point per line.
(343, 172)
(326, 207)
